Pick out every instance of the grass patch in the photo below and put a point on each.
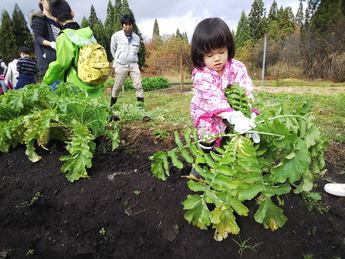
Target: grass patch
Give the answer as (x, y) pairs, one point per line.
(297, 83)
(171, 110)
(328, 110)
(167, 110)
(282, 82)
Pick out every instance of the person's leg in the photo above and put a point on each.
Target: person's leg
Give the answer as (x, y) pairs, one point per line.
(134, 74)
(206, 147)
(121, 73)
(20, 84)
(3, 86)
(206, 142)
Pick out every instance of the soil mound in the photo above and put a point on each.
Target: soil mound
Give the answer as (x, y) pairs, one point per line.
(122, 211)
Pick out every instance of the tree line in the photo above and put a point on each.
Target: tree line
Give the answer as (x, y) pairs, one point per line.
(104, 31)
(14, 31)
(308, 44)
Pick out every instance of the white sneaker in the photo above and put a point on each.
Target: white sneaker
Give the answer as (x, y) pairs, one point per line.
(337, 189)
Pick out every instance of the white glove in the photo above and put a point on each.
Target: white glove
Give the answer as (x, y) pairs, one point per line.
(53, 44)
(255, 137)
(242, 123)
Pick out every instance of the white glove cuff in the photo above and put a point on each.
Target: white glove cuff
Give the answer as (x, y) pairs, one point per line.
(224, 115)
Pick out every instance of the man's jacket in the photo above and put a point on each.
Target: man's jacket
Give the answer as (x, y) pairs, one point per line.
(124, 51)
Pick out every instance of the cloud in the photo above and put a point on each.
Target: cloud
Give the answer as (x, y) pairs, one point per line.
(171, 14)
(168, 26)
(186, 14)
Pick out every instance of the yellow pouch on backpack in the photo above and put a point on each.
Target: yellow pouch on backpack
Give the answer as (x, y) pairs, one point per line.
(93, 66)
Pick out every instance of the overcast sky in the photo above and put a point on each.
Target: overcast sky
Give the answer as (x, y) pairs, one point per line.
(171, 14)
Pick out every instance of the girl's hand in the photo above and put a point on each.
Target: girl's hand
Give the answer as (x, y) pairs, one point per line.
(53, 44)
(241, 123)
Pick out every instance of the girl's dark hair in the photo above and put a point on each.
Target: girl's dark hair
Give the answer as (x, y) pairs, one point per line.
(61, 10)
(210, 34)
(24, 50)
(40, 5)
(127, 19)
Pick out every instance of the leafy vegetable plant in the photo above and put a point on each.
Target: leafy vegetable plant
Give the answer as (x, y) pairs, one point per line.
(287, 159)
(34, 115)
(148, 83)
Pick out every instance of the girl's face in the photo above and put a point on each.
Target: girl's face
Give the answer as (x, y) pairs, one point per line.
(216, 59)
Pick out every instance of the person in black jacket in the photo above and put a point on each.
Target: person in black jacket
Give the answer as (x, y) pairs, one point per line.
(26, 67)
(45, 31)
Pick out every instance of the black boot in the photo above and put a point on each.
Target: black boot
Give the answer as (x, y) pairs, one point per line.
(115, 117)
(206, 147)
(113, 101)
(140, 101)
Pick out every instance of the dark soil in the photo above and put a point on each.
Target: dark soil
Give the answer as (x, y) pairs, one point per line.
(122, 211)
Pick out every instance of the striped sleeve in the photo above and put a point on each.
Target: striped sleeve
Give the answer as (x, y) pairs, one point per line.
(27, 66)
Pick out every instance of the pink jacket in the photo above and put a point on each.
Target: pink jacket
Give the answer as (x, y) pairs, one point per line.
(209, 99)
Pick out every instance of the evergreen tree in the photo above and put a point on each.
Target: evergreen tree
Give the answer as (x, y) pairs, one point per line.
(287, 22)
(314, 4)
(21, 30)
(117, 16)
(108, 28)
(155, 33)
(299, 15)
(8, 47)
(93, 19)
(289, 13)
(84, 22)
(272, 14)
(98, 29)
(307, 18)
(178, 34)
(125, 8)
(328, 13)
(109, 20)
(242, 31)
(185, 36)
(256, 20)
(309, 12)
(100, 35)
(283, 25)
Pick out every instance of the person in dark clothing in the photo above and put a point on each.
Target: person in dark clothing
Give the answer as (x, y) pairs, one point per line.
(26, 67)
(45, 31)
(71, 38)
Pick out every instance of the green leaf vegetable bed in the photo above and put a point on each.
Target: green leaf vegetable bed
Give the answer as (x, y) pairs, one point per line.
(35, 114)
(287, 159)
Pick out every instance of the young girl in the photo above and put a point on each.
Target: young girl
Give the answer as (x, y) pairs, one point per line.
(213, 50)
